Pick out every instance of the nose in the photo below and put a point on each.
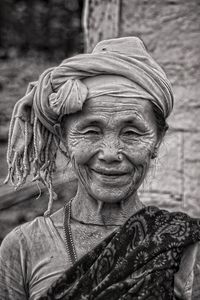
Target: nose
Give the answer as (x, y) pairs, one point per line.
(110, 153)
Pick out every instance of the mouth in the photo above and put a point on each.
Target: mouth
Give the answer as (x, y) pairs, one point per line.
(110, 173)
(110, 178)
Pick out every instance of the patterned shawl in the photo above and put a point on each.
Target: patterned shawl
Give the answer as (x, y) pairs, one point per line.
(138, 261)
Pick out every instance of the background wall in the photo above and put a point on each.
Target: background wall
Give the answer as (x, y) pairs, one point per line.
(171, 32)
(49, 26)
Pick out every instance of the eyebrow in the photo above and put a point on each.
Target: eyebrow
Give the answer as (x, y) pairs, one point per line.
(129, 120)
(91, 122)
(135, 120)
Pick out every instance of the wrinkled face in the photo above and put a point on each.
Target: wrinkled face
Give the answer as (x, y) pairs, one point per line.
(110, 143)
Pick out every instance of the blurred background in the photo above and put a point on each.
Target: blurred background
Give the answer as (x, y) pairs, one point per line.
(35, 35)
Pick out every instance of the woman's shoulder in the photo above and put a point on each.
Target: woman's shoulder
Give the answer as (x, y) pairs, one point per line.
(18, 236)
(36, 230)
(25, 233)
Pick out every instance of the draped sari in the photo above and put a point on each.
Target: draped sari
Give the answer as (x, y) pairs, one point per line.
(137, 261)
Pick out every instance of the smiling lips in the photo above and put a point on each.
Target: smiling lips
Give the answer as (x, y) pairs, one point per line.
(110, 173)
(110, 178)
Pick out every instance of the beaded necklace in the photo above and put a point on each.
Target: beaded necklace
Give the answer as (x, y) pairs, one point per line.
(69, 243)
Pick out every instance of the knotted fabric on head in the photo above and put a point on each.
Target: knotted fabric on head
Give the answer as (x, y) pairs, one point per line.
(62, 90)
(118, 67)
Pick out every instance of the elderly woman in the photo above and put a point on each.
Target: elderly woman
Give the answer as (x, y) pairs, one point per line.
(106, 111)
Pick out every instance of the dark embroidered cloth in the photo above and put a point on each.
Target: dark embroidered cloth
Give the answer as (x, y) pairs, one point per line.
(138, 261)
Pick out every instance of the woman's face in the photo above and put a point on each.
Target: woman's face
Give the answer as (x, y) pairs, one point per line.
(110, 143)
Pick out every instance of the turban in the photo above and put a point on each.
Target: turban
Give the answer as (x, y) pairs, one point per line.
(64, 89)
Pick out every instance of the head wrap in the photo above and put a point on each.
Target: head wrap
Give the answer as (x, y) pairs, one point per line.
(118, 67)
(62, 90)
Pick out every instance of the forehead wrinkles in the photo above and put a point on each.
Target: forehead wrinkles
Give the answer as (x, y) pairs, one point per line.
(113, 117)
(112, 104)
(120, 110)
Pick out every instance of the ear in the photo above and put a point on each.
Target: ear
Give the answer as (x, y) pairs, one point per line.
(157, 146)
(159, 142)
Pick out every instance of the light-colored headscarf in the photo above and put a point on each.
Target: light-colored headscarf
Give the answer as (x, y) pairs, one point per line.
(119, 67)
(62, 90)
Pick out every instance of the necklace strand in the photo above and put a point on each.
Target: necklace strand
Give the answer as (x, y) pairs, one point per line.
(69, 243)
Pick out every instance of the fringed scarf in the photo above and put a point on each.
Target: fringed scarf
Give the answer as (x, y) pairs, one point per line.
(138, 261)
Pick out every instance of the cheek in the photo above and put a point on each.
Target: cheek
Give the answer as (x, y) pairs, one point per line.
(81, 149)
(139, 152)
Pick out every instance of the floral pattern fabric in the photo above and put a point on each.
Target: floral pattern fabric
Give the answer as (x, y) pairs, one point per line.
(138, 261)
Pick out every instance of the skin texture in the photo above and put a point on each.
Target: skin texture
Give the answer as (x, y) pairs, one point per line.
(110, 144)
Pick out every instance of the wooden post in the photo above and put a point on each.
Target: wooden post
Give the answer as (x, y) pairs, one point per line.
(100, 21)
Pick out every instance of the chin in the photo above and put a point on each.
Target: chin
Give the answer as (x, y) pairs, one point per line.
(111, 196)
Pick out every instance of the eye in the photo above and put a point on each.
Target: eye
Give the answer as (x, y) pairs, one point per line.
(130, 133)
(91, 131)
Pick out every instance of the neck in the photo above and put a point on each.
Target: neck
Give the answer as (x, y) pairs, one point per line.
(91, 211)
